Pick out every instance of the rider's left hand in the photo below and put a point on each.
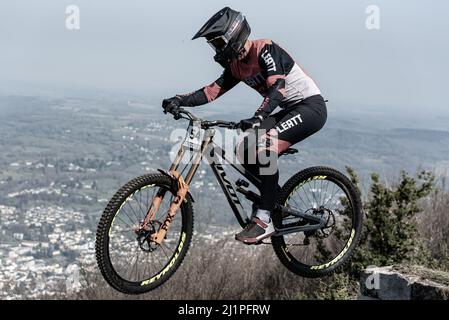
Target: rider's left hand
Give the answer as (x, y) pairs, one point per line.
(251, 123)
(171, 105)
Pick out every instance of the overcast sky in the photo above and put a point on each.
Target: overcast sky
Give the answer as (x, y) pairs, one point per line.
(144, 47)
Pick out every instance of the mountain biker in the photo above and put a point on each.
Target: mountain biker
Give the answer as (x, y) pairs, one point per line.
(269, 69)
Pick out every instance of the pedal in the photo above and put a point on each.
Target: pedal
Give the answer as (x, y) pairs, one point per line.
(254, 244)
(242, 183)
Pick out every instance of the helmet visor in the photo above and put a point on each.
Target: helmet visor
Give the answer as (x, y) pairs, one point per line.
(218, 43)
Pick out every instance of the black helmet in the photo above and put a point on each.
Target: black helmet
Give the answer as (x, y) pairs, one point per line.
(227, 32)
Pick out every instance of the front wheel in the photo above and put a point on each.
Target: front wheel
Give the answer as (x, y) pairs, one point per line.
(331, 196)
(127, 259)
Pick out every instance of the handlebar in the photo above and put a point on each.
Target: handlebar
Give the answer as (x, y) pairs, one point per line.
(219, 123)
(181, 113)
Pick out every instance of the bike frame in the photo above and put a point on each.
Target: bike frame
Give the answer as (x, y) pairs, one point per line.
(215, 152)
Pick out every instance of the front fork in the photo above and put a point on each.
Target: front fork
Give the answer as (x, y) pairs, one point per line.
(183, 189)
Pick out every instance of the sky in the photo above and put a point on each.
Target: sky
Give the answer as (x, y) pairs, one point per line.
(144, 47)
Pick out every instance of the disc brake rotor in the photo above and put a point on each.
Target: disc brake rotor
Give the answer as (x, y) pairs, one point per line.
(144, 235)
(329, 217)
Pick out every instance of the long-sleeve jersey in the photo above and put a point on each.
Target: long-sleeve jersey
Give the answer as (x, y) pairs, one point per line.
(267, 68)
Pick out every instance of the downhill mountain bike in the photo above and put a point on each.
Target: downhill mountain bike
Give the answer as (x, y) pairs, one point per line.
(146, 229)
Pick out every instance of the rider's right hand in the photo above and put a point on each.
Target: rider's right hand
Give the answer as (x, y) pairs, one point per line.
(171, 105)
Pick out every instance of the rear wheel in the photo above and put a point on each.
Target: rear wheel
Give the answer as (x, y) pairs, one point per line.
(128, 260)
(330, 195)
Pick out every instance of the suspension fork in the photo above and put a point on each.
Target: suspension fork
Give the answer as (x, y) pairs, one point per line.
(183, 188)
(157, 201)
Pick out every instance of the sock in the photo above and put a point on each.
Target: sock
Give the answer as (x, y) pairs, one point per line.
(263, 215)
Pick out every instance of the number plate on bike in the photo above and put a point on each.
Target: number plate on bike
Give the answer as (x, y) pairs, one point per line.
(194, 138)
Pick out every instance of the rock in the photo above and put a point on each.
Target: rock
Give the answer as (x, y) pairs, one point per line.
(404, 283)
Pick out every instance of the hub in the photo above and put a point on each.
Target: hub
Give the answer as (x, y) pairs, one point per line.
(144, 235)
(328, 216)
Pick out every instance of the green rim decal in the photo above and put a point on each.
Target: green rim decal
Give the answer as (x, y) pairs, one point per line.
(337, 258)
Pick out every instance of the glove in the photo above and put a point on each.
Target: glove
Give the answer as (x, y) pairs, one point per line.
(171, 105)
(251, 123)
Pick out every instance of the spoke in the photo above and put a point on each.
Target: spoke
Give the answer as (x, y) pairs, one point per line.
(121, 245)
(130, 246)
(321, 191)
(132, 268)
(124, 222)
(153, 196)
(169, 248)
(146, 266)
(140, 201)
(129, 204)
(332, 194)
(161, 263)
(314, 193)
(327, 186)
(137, 265)
(146, 192)
(348, 206)
(150, 264)
(302, 200)
(297, 205)
(124, 231)
(123, 209)
(128, 239)
(163, 250)
(140, 207)
(302, 187)
(126, 213)
(131, 271)
(341, 242)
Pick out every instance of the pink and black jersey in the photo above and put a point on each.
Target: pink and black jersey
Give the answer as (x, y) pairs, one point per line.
(267, 68)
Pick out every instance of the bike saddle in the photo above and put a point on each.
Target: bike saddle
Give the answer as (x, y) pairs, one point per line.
(290, 151)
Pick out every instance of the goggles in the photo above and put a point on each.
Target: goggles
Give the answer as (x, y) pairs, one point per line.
(220, 42)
